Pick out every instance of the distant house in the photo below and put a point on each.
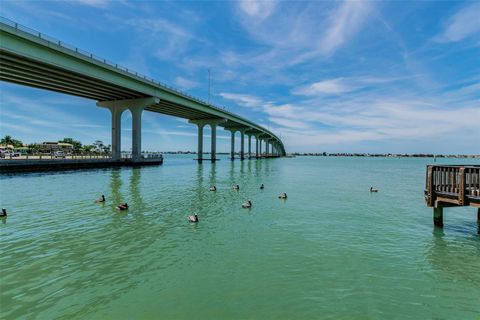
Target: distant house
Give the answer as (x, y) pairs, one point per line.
(49, 147)
(7, 147)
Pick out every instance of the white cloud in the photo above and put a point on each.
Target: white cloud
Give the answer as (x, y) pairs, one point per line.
(343, 24)
(333, 86)
(93, 3)
(372, 116)
(345, 85)
(259, 9)
(185, 83)
(463, 24)
(244, 100)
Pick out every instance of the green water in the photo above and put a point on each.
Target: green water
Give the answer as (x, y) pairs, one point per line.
(332, 250)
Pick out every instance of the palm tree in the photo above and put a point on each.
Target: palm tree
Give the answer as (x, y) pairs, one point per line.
(6, 140)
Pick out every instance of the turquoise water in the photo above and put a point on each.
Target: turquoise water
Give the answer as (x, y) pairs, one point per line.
(332, 250)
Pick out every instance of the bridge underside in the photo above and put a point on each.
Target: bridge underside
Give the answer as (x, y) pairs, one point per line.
(32, 60)
(24, 71)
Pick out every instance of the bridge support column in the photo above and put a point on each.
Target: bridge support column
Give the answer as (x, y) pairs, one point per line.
(136, 131)
(257, 146)
(249, 145)
(242, 144)
(136, 107)
(201, 123)
(200, 143)
(116, 131)
(438, 216)
(232, 145)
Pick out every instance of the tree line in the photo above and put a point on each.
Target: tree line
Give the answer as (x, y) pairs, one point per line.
(97, 146)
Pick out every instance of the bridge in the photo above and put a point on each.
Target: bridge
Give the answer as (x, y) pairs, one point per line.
(30, 58)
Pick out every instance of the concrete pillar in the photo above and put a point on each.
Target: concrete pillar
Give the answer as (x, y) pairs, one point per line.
(200, 142)
(260, 146)
(232, 145)
(267, 147)
(249, 145)
(438, 217)
(136, 106)
(116, 132)
(242, 144)
(257, 147)
(213, 148)
(136, 132)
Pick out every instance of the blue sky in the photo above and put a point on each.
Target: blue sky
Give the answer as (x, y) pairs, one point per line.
(324, 76)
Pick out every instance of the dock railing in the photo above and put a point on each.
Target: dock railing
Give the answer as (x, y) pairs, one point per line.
(454, 184)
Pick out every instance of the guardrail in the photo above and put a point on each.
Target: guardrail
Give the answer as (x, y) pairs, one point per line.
(13, 156)
(458, 185)
(88, 55)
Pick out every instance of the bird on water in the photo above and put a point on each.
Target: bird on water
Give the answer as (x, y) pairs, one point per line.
(373, 190)
(3, 214)
(214, 188)
(123, 206)
(262, 187)
(247, 204)
(236, 187)
(101, 199)
(282, 196)
(193, 218)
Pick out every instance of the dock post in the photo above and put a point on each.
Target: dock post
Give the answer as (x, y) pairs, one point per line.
(478, 216)
(438, 216)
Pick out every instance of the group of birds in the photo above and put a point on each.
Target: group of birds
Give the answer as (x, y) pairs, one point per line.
(122, 206)
(246, 205)
(192, 218)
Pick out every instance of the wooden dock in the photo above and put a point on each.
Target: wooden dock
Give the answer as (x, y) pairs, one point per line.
(452, 186)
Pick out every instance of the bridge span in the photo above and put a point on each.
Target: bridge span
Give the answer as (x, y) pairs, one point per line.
(30, 58)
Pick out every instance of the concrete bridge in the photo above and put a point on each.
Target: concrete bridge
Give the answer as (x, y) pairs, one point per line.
(30, 58)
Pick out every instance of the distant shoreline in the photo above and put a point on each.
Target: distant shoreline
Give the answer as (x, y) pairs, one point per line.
(389, 155)
(375, 155)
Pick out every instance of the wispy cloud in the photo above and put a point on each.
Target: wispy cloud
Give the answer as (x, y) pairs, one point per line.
(185, 83)
(346, 84)
(333, 86)
(372, 117)
(257, 9)
(93, 3)
(463, 24)
(343, 24)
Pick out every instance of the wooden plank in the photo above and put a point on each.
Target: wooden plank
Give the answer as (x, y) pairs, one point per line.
(461, 187)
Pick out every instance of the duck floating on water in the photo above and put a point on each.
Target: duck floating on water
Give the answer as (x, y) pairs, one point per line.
(101, 199)
(214, 188)
(236, 187)
(373, 190)
(193, 218)
(283, 196)
(3, 214)
(247, 204)
(123, 206)
(262, 187)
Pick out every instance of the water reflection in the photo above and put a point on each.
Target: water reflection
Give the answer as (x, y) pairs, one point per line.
(453, 257)
(115, 185)
(135, 193)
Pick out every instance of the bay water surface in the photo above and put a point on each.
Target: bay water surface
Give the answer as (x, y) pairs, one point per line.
(332, 250)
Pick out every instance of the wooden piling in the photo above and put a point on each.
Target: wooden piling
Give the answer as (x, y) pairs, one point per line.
(438, 217)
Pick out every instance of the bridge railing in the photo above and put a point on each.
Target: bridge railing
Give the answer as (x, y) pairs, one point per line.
(87, 54)
(455, 182)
